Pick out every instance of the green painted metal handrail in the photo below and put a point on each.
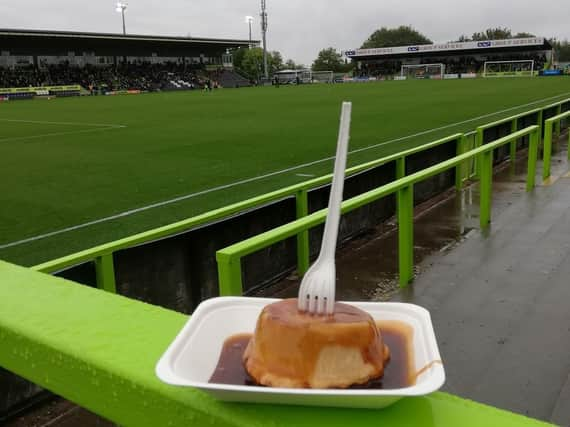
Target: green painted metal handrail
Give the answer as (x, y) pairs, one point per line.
(514, 126)
(103, 254)
(229, 258)
(549, 130)
(99, 350)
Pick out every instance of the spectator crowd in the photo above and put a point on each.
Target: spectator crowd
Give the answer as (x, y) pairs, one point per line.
(125, 76)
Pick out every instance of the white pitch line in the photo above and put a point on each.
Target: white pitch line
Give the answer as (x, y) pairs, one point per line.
(45, 135)
(41, 122)
(257, 178)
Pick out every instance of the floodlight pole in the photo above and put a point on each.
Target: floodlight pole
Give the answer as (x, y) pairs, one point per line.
(124, 26)
(121, 6)
(249, 21)
(264, 34)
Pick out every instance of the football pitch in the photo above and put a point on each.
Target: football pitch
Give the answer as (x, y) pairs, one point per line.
(79, 172)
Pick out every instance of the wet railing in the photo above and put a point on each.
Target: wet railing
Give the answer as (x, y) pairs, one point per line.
(552, 127)
(99, 350)
(103, 255)
(229, 259)
(513, 120)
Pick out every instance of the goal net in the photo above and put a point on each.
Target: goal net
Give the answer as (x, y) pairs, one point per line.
(322, 76)
(523, 68)
(423, 71)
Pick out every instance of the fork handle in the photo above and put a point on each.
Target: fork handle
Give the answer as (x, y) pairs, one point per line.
(328, 245)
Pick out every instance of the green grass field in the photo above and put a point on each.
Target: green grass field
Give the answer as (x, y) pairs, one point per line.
(67, 162)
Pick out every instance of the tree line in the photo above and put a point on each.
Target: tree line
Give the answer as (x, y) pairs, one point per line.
(330, 59)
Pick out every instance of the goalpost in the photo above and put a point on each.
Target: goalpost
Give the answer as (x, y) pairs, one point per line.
(520, 68)
(322, 76)
(423, 71)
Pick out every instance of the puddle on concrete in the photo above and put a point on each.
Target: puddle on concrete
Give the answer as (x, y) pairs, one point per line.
(367, 267)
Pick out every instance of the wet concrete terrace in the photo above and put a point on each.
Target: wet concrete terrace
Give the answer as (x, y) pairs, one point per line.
(500, 305)
(500, 301)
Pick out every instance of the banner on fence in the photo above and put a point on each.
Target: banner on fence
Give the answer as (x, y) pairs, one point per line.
(39, 89)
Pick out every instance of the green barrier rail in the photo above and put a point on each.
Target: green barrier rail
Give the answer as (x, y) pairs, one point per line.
(99, 350)
(513, 120)
(552, 127)
(229, 259)
(514, 126)
(103, 254)
(469, 170)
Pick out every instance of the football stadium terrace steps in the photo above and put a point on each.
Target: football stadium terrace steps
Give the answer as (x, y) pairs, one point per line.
(232, 79)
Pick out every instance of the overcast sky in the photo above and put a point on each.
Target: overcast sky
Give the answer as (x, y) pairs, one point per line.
(297, 28)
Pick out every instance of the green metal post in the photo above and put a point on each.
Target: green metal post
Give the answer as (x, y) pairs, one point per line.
(547, 153)
(486, 168)
(513, 151)
(558, 124)
(473, 160)
(540, 124)
(478, 143)
(460, 169)
(404, 224)
(532, 158)
(405, 200)
(400, 167)
(105, 272)
(400, 173)
(229, 275)
(302, 204)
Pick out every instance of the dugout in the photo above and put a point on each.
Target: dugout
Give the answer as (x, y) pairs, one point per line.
(457, 57)
(21, 48)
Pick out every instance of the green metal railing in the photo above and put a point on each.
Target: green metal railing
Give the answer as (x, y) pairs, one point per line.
(229, 259)
(103, 254)
(469, 169)
(552, 126)
(513, 120)
(100, 350)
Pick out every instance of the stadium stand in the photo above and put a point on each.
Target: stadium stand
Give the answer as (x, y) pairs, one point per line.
(458, 58)
(102, 63)
(453, 65)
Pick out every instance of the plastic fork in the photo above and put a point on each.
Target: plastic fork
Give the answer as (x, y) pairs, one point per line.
(317, 290)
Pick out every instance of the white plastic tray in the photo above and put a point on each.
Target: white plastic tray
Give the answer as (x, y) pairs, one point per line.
(193, 355)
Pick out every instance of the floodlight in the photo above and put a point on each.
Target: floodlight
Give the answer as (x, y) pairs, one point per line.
(120, 8)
